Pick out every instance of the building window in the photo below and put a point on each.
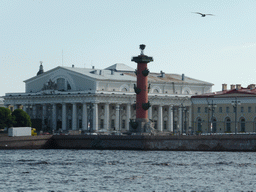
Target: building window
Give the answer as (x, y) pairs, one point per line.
(70, 124)
(123, 124)
(60, 84)
(68, 86)
(102, 123)
(249, 109)
(165, 125)
(242, 109)
(227, 109)
(242, 123)
(228, 125)
(206, 109)
(199, 125)
(113, 123)
(155, 124)
(220, 109)
(214, 126)
(80, 123)
(198, 109)
(175, 125)
(234, 109)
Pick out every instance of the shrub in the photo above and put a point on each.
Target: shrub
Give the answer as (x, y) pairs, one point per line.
(22, 119)
(6, 119)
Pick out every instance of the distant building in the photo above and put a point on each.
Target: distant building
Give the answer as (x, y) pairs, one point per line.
(226, 111)
(103, 99)
(1, 102)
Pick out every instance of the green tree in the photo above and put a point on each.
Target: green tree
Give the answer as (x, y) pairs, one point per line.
(6, 119)
(22, 119)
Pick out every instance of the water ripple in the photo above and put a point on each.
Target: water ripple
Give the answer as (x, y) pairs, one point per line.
(96, 170)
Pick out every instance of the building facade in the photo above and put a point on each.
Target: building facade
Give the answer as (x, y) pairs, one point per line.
(90, 99)
(226, 111)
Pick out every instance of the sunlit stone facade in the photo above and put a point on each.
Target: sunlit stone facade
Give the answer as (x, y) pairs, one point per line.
(71, 98)
(227, 111)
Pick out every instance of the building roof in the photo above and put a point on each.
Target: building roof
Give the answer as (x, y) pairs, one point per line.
(120, 67)
(248, 91)
(122, 72)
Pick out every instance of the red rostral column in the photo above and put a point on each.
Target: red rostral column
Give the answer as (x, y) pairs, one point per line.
(141, 89)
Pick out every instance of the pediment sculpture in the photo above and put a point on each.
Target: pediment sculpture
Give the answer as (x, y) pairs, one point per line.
(50, 85)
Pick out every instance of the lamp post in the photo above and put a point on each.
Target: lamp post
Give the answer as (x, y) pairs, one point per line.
(89, 123)
(120, 113)
(235, 103)
(185, 122)
(212, 107)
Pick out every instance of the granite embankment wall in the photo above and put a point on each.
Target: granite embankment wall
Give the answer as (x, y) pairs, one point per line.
(135, 142)
(172, 143)
(26, 142)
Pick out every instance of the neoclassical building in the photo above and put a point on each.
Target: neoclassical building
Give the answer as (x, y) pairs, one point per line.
(71, 98)
(227, 111)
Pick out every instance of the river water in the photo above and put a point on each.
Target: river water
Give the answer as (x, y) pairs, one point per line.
(112, 170)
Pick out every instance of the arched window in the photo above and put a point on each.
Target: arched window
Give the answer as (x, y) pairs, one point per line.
(242, 124)
(228, 124)
(199, 124)
(214, 125)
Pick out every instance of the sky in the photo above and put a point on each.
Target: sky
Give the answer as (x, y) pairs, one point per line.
(217, 49)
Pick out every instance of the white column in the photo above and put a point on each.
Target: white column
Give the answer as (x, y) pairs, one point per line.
(117, 124)
(128, 116)
(54, 111)
(95, 117)
(170, 118)
(34, 111)
(74, 117)
(106, 116)
(180, 119)
(160, 118)
(150, 112)
(64, 116)
(84, 121)
(190, 117)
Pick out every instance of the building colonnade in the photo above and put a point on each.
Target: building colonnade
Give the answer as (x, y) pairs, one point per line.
(107, 116)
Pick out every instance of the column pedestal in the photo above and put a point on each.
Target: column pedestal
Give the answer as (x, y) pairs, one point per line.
(142, 125)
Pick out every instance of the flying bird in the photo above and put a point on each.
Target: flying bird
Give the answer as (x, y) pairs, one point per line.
(202, 14)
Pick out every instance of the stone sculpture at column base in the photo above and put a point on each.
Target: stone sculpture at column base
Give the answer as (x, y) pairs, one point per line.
(141, 125)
